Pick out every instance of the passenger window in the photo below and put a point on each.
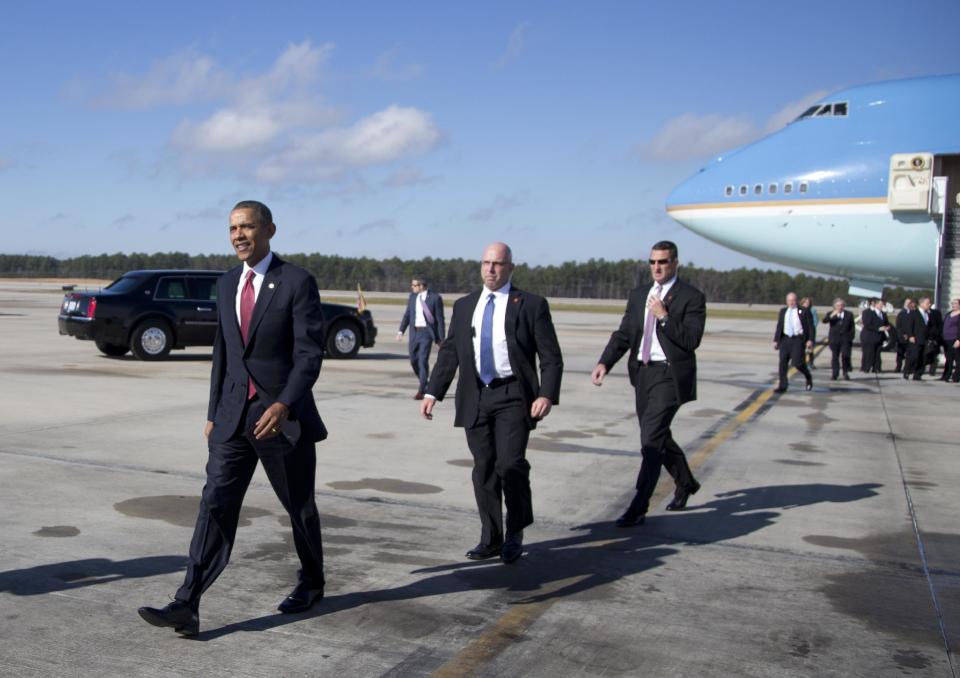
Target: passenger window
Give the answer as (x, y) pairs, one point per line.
(743, 189)
(824, 110)
(758, 189)
(203, 289)
(728, 191)
(171, 288)
(803, 186)
(787, 187)
(840, 109)
(772, 189)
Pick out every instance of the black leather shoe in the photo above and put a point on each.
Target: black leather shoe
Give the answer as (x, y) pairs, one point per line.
(512, 547)
(482, 552)
(846, 376)
(681, 495)
(917, 377)
(780, 389)
(809, 386)
(184, 619)
(301, 598)
(629, 519)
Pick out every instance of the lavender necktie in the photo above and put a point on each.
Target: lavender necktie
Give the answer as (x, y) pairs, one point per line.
(648, 326)
(427, 315)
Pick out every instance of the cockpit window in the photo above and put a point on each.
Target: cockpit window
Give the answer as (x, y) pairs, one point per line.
(838, 109)
(810, 111)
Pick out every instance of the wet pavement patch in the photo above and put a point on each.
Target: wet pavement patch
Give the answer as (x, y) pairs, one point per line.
(466, 463)
(382, 436)
(405, 559)
(708, 412)
(555, 446)
(177, 510)
(567, 434)
(799, 462)
(391, 485)
(57, 531)
(809, 448)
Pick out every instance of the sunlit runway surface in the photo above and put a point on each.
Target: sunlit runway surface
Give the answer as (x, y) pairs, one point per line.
(799, 556)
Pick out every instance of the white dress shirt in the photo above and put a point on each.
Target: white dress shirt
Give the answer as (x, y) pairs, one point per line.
(656, 350)
(791, 322)
(259, 271)
(420, 320)
(501, 359)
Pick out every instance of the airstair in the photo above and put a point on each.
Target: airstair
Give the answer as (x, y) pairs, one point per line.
(948, 265)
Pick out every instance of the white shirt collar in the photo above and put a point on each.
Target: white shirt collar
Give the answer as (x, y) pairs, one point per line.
(503, 291)
(261, 268)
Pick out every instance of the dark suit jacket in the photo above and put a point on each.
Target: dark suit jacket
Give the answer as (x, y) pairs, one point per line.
(841, 331)
(923, 331)
(935, 325)
(282, 356)
(679, 336)
(530, 335)
(434, 302)
(903, 325)
(806, 324)
(871, 326)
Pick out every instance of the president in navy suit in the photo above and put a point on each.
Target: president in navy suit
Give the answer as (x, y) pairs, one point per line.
(424, 317)
(266, 358)
(496, 337)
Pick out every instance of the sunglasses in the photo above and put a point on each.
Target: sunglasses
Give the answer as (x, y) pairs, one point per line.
(662, 262)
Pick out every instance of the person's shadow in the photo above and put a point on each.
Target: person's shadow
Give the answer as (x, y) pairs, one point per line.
(72, 574)
(598, 554)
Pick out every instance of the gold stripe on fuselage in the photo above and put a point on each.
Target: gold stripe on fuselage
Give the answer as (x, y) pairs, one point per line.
(779, 203)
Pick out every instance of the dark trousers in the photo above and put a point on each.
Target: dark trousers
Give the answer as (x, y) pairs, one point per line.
(501, 473)
(230, 466)
(657, 404)
(952, 369)
(840, 358)
(915, 360)
(421, 341)
(791, 351)
(870, 352)
(902, 348)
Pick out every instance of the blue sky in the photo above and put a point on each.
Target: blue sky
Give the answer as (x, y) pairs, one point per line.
(413, 128)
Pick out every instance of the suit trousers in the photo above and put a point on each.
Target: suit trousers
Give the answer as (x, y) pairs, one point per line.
(840, 357)
(230, 466)
(915, 360)
(421, 341)
(501, 473)
(870, 353)
(657, 404)
(902, 348)
(791, 351)
(951, 370)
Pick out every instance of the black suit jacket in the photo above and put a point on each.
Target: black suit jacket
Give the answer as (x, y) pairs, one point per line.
(841, 331)
(918, 329)
(903, 325)
(935, 325)
(434, 302)
(530, 336)
(806, 324)
(679, 335)
(871, 325)
(283, 353)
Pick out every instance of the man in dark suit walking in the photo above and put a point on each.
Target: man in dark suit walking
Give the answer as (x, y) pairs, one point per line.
(794, 335)
(840, 339)
(424, 317)
(495, 339)
(875, 324)
(920, 331)
(661, 328)
(266, 358)
(901, 325)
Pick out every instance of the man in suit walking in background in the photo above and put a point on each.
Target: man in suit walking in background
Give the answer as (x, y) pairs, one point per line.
(920, 331)
(424, 317)
(840, 339)
(497, 336)
(901, 324)
(661, 328)
(794, 334)
(266, 358)
(875, 324)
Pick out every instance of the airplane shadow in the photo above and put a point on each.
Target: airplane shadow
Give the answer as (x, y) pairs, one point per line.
(598, 554)
(73, 574)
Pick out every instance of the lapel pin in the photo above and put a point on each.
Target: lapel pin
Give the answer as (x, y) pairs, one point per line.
(271, 286)
(516, 300)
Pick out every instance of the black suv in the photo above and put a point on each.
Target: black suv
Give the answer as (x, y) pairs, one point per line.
(151, 312)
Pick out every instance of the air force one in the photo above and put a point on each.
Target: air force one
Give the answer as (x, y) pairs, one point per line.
(863, 185)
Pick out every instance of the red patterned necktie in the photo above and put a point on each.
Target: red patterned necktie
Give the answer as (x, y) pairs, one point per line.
(248, 300)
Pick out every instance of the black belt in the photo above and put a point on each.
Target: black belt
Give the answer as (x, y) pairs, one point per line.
(498, 382)
(653, 363)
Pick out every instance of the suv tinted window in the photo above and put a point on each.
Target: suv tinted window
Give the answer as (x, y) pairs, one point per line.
(127, 283)
(203, 288)
(171, 288)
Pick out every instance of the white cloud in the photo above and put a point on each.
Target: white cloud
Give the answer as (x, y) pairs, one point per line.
(227, 130)
(181, 78)
(389, 66)
(695, 136)
(498, 205)
(515, 44)
(383, 137)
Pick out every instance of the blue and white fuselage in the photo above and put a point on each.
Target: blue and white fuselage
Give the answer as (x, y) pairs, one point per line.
(814, 195)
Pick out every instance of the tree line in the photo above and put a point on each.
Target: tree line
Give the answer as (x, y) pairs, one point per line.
(592, 279)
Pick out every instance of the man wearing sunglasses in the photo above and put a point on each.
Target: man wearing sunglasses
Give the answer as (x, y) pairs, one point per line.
(661, 329)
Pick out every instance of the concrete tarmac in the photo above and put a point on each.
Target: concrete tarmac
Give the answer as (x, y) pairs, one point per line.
(824, 540)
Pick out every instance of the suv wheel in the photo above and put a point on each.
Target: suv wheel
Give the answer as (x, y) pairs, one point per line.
(151, 340)
(343, 340)
(114, 350)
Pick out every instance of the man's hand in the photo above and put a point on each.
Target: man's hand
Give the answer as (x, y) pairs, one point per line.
(540, 408)
(809, 344)
(913, 340)
(776, 345)
(268, 425)
(956, 344)
(207, 428)
(655, 306)
(399, 336)
(599, 372)
(426, 407)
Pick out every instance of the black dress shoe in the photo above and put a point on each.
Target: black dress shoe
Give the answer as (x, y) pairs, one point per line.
(846, 376)
(681, 495)
(482, 552)
(512, 547)
(917, 377)
(809, 386)
(184, 619)
(780, 389)
(301, 599)
(629, 519)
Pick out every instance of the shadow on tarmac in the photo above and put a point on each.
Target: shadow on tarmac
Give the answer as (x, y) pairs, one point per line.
(73, 574)
(601, 554)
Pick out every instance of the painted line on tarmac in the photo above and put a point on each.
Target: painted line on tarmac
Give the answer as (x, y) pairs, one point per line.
(513, 625)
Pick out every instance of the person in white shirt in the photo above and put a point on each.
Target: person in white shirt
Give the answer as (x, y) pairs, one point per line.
(424, 317)
(794, 335)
